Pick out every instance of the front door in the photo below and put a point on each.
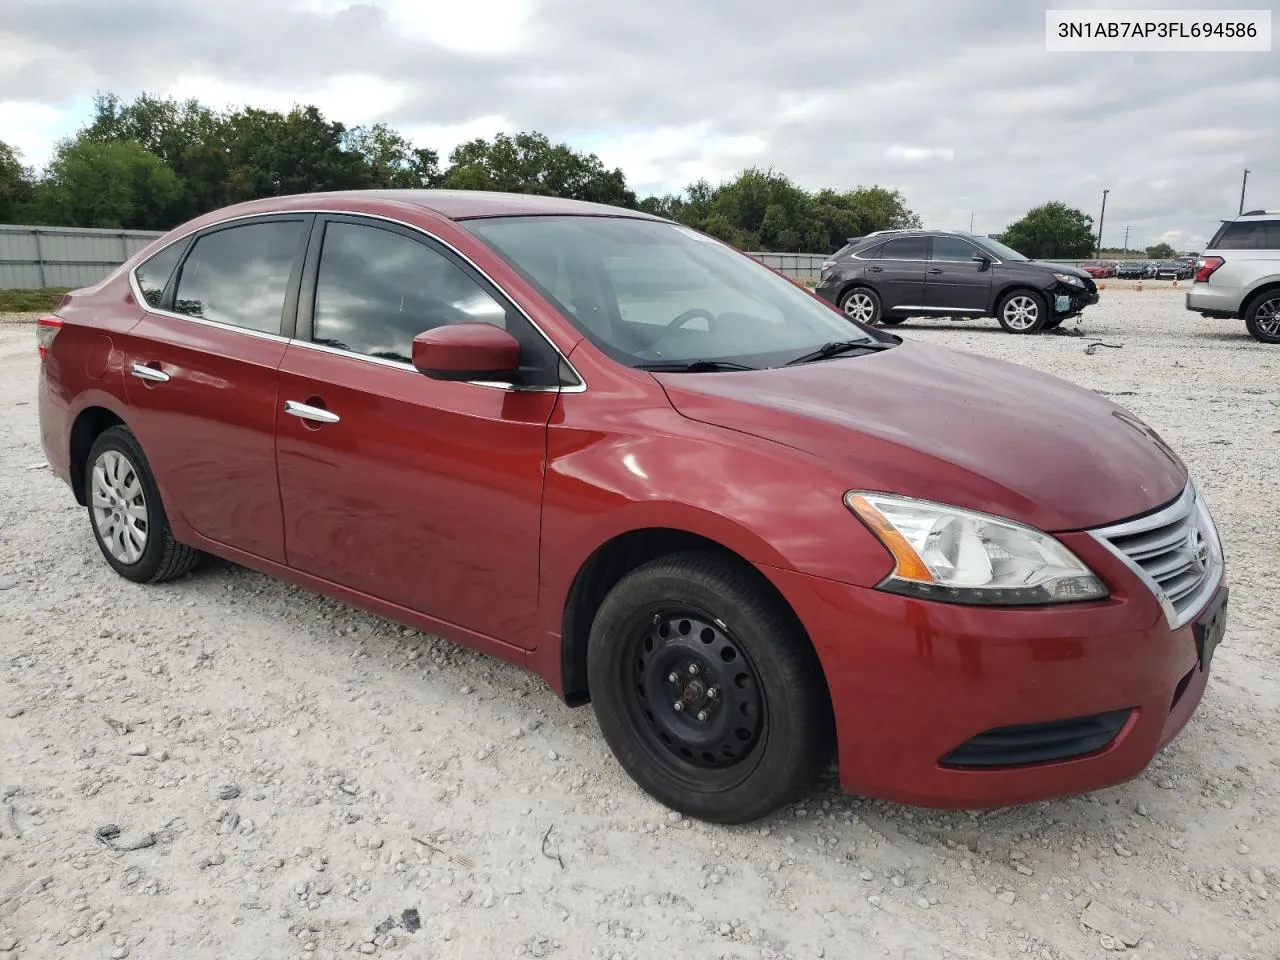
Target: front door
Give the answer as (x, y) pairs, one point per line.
(201, 381)
(954, 281)
(423, 493)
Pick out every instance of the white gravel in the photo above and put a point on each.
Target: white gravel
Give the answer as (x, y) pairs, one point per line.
(288, 776)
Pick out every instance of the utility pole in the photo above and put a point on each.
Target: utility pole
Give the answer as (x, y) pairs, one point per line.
(1101, 219)
(1242, 183)
(971, 220)
(1126, 240)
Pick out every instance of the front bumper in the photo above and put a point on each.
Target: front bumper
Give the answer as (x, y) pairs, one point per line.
(911, 681)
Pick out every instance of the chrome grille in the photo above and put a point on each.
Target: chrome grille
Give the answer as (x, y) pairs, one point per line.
(1174, 551)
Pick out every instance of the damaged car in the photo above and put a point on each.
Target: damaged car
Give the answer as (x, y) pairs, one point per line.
(885, 278)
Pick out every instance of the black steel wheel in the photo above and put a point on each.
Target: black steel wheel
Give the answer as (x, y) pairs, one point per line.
(707, 689)
(696, 689)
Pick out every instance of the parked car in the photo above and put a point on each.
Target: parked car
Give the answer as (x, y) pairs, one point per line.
(746, 528)
(1097, 270)
(1175, 270)
(941, 273)
(1132, 269)
(1238, 275)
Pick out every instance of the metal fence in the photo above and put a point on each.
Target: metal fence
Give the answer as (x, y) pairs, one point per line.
(78, 256)
(798, 266)
(33, 257)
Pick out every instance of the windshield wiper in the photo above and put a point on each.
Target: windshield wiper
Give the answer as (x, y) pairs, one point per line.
(837, 347)
(694, 366)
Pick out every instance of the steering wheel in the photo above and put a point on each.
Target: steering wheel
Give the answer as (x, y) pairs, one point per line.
(693, 314)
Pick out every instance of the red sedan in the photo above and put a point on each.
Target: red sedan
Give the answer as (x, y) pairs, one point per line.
(609, 448)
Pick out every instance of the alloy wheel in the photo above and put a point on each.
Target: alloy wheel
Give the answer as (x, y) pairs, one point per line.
(1021, 313)
(1267, 317)
(860, 307)
(119, 506)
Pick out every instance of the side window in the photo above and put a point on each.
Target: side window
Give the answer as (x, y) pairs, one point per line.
(952, 248)
(376, 290)
(240, 275)
(871, 253)
(1248, 235)
(154, 272)
(906, 248)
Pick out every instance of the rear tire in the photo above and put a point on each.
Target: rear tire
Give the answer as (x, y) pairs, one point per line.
(1022, 311)
(1262, 317)
(126, 514)
(672, 632)
(862, 305)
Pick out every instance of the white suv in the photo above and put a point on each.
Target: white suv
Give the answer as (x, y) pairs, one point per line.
(1238, 275)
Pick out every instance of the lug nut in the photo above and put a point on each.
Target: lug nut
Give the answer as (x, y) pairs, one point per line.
(713, 693)
(702, 716)
(678, 706)
(673, 677)
(693, 669)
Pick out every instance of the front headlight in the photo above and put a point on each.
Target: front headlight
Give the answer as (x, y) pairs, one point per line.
(1067, 278)
(959, 556)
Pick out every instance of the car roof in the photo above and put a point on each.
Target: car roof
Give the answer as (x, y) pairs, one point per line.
(469, 204)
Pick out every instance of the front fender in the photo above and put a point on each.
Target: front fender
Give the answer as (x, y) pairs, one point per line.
(770, 504)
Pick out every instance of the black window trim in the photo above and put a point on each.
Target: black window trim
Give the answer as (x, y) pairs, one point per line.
(572, 380)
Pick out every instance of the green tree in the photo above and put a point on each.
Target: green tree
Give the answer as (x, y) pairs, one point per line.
(117, 184)
(531, 163)
(391, 160)
(16, 183)
(1052, 230)
(1161, 251)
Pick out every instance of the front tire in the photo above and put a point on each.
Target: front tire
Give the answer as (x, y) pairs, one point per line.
(1022, 311)
(707, 689)
(126, 513)
(1262, 317)
(862, 305)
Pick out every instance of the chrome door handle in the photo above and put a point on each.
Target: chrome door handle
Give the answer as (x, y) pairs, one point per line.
(143, 372)
(314, 414)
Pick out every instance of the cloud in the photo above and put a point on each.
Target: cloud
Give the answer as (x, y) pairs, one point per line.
(959, 106)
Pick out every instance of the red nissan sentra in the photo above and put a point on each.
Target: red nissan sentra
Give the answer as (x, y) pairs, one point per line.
(611, 449)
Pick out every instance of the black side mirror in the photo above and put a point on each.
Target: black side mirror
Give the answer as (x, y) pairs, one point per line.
(983, 262)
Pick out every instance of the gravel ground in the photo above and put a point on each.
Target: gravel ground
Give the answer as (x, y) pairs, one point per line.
(292, 778)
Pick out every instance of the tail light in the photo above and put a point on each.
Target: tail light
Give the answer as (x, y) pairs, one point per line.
(46, 329)
(1205, 267)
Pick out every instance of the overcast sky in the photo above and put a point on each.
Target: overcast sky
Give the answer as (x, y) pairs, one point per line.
(956, 104)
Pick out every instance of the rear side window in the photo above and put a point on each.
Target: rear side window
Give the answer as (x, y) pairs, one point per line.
(1248, 235)
(153, 275)
(906, 248)
(240, 276)
(871, 253)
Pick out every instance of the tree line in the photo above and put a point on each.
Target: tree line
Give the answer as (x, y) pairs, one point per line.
(152, 163)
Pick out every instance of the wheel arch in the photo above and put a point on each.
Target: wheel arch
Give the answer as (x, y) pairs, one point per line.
(1012, 286)
(1270, 285)
(607, 565)
(89, 424)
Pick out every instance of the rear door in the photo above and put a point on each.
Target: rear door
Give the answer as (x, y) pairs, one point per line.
(954, 281)
(420, 492)
(202, 368)
(898, 272)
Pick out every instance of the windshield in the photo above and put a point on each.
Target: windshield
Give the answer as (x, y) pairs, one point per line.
(999, 249)
(649, 292)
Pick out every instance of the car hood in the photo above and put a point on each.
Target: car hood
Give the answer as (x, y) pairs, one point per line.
(1068, 270)
(943, 425)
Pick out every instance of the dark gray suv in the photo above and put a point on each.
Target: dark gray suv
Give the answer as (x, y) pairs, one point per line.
(888, 276)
